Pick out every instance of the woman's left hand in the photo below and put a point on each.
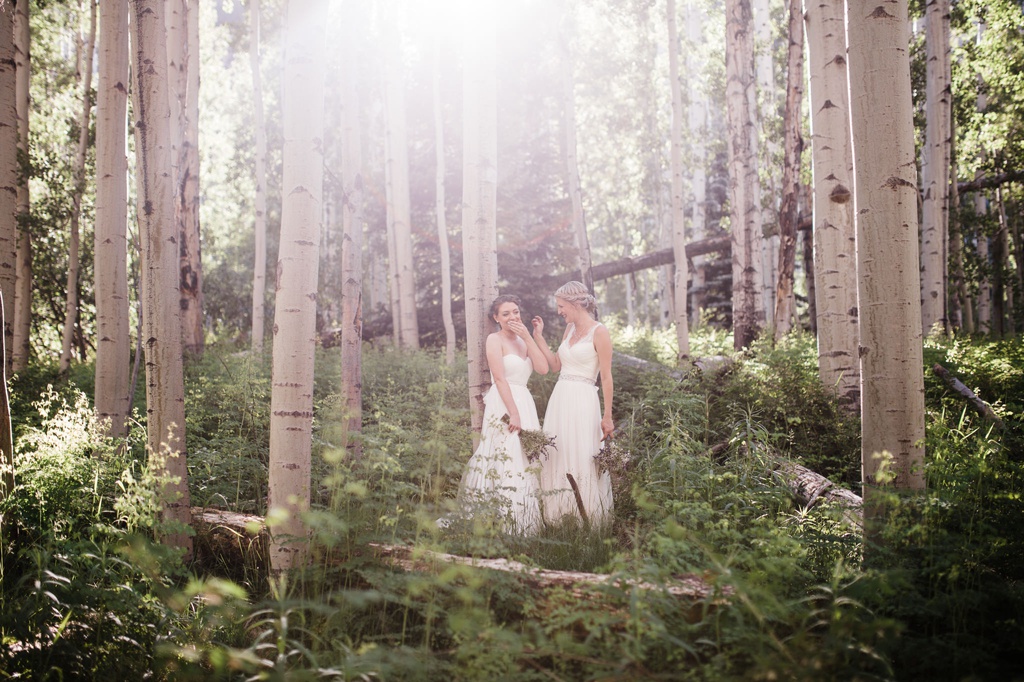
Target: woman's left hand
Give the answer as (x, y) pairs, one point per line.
(519, 329)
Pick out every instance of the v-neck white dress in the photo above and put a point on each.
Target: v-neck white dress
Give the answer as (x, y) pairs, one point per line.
(573, 418)
(498, 474)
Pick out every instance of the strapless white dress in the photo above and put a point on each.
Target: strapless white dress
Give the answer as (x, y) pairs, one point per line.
(573, 418)
(498, 474)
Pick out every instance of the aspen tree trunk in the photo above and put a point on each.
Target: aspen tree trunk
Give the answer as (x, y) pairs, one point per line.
(809, 275)
(984, 325)
(679, 284)
(935, 173)
(6, 430)
(352, 247)
(885, 203)
(113, 343)
(834, 238)
(158, 232)
(697, 120)
(398, 211)
(744, 186)
(765, 114)
(479, 195)
(1002, 295)
(259, 271)
(183, 66)
(23, 268)
(789, 214)
(192, 303)
(291, 402)
(579, 224)
(78, 171)
(961, 312)
(442, 221)
(8, 180)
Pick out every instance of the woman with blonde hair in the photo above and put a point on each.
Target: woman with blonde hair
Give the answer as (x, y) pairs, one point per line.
(571, 481)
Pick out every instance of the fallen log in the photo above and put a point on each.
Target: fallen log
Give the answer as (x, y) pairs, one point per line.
(957, 386)
(809, 488)
(688, 586)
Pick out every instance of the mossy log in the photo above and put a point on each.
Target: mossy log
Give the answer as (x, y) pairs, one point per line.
(809, 488)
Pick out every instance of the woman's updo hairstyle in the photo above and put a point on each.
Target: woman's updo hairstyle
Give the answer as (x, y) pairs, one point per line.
(505, 298)
(576, 293)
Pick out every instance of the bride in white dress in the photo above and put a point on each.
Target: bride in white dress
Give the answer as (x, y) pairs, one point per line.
(574, 416)
(498, 474)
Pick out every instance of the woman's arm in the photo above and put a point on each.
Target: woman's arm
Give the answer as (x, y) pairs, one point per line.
(554, 364)
(603, 345)
(497, 367)
(540, 361)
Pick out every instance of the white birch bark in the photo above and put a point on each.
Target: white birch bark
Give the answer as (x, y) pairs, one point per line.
(984, 306)
(935, 173)
(291, 402)
(479, 194)
(834, 251)
(78, 170)
(766, 116)
(697, 120)
(744, 185)
(259, 271)
(793, 145)
(885, 204)
(682, 274)
(8, 180)
(110, 233)
(440, 211)
(398, 210)
(351, 246)
(572, 166)
(23, 267)
(165, 389)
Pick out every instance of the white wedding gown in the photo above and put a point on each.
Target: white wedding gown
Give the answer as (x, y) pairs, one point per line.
(498, 474)
(573, 418)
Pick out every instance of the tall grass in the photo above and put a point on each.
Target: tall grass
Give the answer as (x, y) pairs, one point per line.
(85, 593)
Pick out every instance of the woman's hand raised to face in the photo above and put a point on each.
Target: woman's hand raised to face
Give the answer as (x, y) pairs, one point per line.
(538, 326)
(519, 329)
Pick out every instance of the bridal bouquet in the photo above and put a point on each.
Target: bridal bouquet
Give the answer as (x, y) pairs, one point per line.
(611, 458)
(535, 443)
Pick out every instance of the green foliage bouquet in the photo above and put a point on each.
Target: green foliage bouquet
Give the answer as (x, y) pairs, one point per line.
(535, 443)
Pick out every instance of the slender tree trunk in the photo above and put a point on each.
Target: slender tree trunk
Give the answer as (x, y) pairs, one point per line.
(834, 251)
(85, 75)
(809, 275)
(113, 342)
(165, 388)
(697, 119)
(23, 267)
(885, 202)
(961, 312)
(789, 215)
(572, 168)
(192, 303)
(935, 173)
(352, 247)
(984, 325)
(765, 114)
(398, 211)
(744, 186)
(259, 271)
(6, 430)
(1002, 295)
(682, 274)
(442, 221)
(8, 180)
(479, 195)
(291, 403)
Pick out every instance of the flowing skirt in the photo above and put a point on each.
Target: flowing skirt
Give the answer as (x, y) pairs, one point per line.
(498, 477)
(573, 418)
